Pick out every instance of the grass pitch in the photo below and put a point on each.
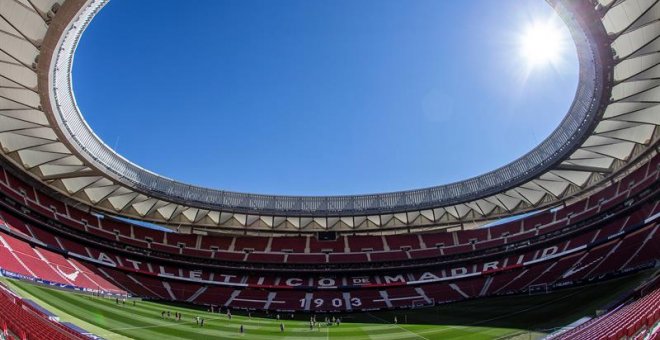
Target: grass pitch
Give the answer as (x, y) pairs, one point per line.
(499, 317)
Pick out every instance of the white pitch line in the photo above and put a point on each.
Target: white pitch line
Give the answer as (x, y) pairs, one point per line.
(396, 325)
(434, 331)
(260, 325)
(169, 325)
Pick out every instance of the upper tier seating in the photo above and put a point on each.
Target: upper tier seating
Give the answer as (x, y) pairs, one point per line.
(359, 243)
(21, 187)
(217, 242)
(441, 239)
(538, 220)
(113, 226)
(251, 243)
(293, 244)
(149, 235)
(403, 241)
(175, 239)
(472, 236)
(306, 249)
(334, 246)
(51, 203)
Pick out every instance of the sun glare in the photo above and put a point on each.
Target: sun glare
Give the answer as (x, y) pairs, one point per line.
(541, 44)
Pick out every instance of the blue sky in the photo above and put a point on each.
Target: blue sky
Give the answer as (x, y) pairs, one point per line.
(319, 96)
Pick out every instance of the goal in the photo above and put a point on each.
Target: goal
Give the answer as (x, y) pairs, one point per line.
(423, 303)
(541, 288)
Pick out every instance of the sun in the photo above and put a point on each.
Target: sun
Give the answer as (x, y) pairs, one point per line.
(542, 44)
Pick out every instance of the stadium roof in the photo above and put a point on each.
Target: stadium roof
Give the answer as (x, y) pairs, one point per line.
(611, 123)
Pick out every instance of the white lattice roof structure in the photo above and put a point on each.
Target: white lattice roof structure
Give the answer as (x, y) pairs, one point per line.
(611, 125)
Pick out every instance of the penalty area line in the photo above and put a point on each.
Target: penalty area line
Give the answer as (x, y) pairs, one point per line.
(446, 328)
(396, 325)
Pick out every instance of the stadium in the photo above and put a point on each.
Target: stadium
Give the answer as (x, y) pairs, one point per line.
(561, 243)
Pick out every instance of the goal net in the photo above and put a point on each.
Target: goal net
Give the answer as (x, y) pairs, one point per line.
(541, 288)
(423, 303)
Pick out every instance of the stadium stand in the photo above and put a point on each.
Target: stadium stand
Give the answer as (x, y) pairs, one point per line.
(632, 320)
(22, 321)
(336, 246)
(450, 243)
(18, 257)
(587, 207)
(574, 243)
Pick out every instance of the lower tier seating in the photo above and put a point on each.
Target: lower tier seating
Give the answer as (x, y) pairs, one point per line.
(555, 265)
(27, 324)
(624, 322)
(18, 257)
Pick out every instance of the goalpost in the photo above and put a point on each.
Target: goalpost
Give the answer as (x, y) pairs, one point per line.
(422, 303)
(541, 288)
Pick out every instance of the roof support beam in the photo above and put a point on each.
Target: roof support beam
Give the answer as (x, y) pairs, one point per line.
(582, 168)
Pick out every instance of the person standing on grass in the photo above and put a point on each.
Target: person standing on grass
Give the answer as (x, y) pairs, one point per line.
(281, 327)
(396, 321)
(197, 320)
(162, 315)
(241, 329)
(201, 323)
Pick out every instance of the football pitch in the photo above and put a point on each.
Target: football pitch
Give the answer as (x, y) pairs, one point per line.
(520, 317)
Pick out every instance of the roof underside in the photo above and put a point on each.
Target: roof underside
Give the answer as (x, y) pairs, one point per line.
(35, 135)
